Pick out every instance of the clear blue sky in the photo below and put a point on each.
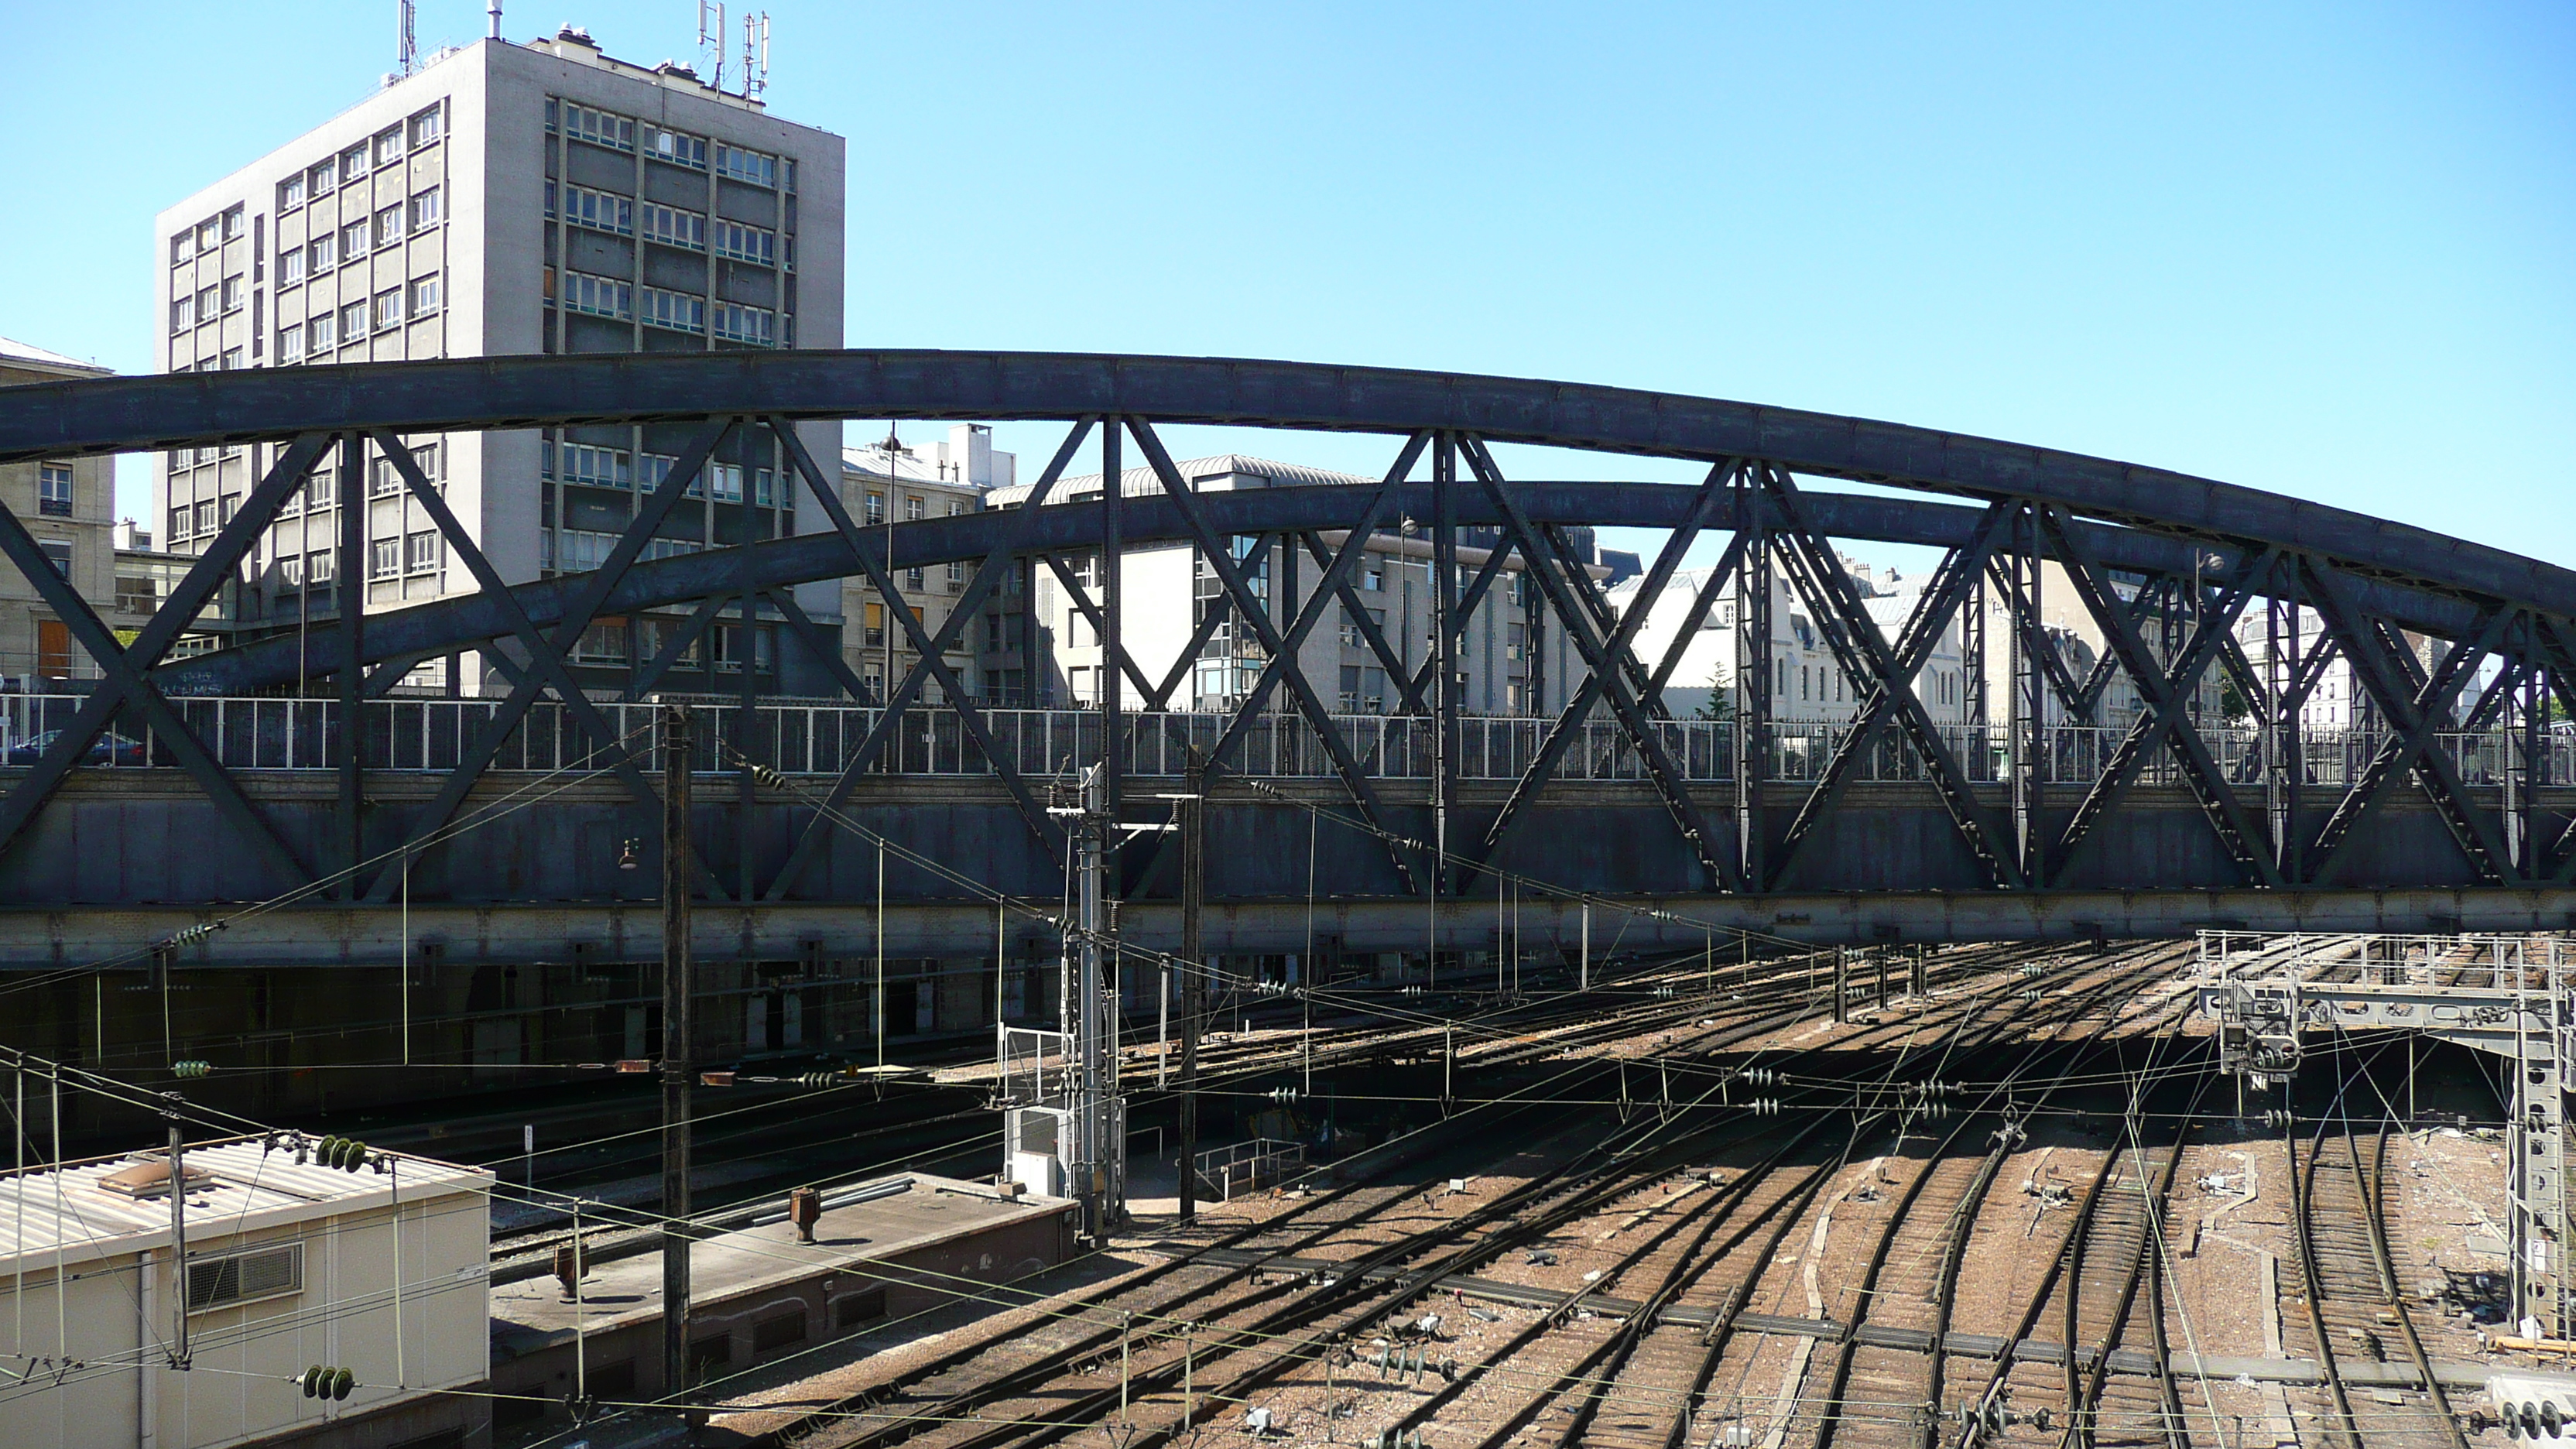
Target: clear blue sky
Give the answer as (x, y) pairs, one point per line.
(2324, 250)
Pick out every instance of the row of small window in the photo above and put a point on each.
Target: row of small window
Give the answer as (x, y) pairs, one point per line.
(347, 244)
(387, 558)
(913, 508)
(206, 235)
(386, 148)
(205, 304)
(615, 468)
(672, 226)
(574, 551)
(679, 311)
(208, 514)
(624, 133)
(355, 239)
(390, 309)
(605, 642)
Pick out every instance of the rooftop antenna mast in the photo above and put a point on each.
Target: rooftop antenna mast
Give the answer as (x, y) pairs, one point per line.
(711, 38)
(407, 52)
(755, 54)
(492, 13)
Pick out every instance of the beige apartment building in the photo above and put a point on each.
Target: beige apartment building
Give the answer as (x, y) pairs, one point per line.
(68, 504)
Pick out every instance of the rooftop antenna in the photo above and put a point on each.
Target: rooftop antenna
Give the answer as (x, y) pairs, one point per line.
(755, 54)
(407, 53)
(711, 39)
(492, 14)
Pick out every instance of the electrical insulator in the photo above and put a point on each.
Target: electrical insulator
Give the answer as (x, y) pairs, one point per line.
(345, 1153)
(1765, 1106)
(194, 934)
(192, 1068)
(1763, 1076)
(819, 1079)
(323, 1381)
(768, 776)
(2277, 1119)
(1285, 1094)
(2030, 996)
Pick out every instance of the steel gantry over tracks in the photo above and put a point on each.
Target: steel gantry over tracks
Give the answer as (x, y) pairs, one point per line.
(2049, 818)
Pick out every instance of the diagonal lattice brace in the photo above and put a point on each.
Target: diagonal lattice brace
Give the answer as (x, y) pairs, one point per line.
(1468, 600)
(2248, 679)
(530, 681)
(1939, 602)
(1089, 608)
(2079, 699)
(2163, 721)
(1607, 672)
(2557, 665)
(929, 662)
(1212, 614)
(209, 573)
(1408, 686)
(1579, 581)
(1005, 769)
(1719, 580)
(543, 656)
(1282, 666)
(1572, 720)
(145, 700)
(1864, 654)
(650, 675)
(1331, 588)
(2413, 719)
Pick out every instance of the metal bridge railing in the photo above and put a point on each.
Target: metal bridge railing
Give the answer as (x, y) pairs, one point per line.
(819, 738)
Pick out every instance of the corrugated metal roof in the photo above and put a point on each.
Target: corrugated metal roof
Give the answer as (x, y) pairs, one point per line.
(1141, 482)
(248, 1188)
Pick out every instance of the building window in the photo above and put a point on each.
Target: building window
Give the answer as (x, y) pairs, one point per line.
(912, 508)
(232, 294)
(318, 566)
(353, 240)
(876, 508)
(676, 148)
(425, 128)
(912, 579)
(353, 322)
(183, 313)
(353, 162)
(54, 489)
(427, 208)
(599, 128)
(384, 558)
(323, 177)
(425, 457)
(389, 147)
(420, 553)
(137, 595)
(743, 324)
(231, 359)
(599, 210)
(290, 192)
(183, 246)
(325, 333)
(746, 243)
(599, 296)
(424, 296)
(233, 223)
(604, 642)
(672, 226)
(389, 226)
(181, 519)
(680, 311)
(245, 1277)
(389, 311)
(600, 467)
(290, 267)
(757, 167)
(956, 572)
(325, 252)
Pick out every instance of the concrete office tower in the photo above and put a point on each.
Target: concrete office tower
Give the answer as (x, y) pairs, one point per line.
(509, 198)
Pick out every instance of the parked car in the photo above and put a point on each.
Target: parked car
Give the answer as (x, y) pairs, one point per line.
(105, 750)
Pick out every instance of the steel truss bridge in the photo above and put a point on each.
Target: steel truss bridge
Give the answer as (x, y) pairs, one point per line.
(2047, 819)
